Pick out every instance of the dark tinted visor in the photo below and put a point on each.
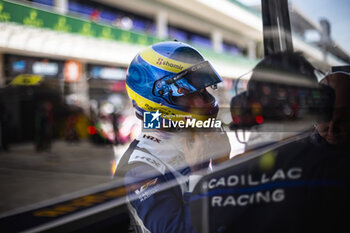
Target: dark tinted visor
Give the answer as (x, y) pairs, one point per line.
(196, 77)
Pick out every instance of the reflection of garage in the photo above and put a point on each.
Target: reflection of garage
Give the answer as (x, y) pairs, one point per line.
(107, 83)
(34, 90)
(32, 81)
(21, 105)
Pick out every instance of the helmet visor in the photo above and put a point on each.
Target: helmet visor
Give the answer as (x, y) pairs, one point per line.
(192, 79)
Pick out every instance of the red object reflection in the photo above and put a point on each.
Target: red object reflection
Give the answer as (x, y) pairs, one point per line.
(91, 130)
(259, 119)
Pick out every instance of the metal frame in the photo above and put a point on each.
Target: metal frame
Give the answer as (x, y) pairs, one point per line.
(276, 26)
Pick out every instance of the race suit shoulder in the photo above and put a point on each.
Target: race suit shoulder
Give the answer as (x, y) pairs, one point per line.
(158, 199)
(156, 207)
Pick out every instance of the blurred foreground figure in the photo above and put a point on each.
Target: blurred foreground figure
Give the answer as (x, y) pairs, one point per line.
(4, 128)
(167, 83)
(336, 131)
(44, 126)
(300, 184)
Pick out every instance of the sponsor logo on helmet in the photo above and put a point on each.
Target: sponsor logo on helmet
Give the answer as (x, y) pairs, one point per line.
(161, 62)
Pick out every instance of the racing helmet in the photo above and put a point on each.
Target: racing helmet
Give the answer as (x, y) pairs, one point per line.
(171, 77)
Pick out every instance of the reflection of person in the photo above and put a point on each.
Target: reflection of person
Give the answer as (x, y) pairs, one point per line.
(157, 166)
(336, 132)
(278, 92)
(4, 128)
(296, 185)
(44, 126)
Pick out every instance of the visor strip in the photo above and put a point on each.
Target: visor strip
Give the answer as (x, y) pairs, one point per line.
(162, 62)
